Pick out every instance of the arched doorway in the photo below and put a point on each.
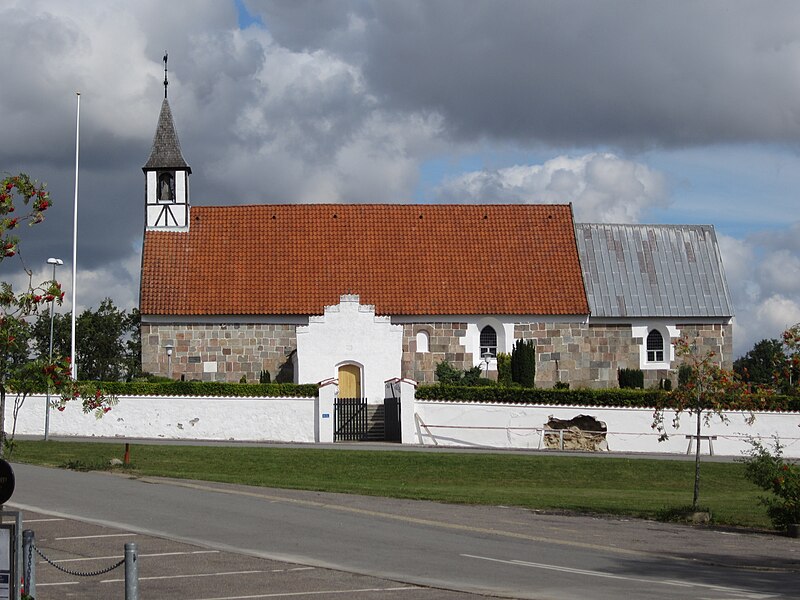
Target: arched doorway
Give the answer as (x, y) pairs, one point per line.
(350, 381)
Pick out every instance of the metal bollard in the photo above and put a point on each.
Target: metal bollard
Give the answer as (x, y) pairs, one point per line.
(28, 563)
(131, 572)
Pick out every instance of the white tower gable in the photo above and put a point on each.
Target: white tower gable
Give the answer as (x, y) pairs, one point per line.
(349, 333)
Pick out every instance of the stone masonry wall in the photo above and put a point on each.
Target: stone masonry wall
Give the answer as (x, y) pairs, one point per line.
(445, 342)
(582, 355)
(220, 352)
(712, 338)
(589, 355)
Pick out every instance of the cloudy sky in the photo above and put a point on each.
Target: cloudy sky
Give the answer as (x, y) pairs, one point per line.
(634, 111)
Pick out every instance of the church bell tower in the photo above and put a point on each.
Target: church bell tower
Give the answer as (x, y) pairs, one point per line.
(166, 175)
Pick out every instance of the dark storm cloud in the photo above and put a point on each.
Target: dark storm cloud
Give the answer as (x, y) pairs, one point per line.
(632, 73)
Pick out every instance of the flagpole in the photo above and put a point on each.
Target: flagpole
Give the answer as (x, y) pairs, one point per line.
(75, 239)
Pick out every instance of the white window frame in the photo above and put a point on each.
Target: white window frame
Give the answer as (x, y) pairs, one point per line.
(423, 341)
(668, 333)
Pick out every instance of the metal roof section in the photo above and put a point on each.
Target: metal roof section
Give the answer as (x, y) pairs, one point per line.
(652, 270)
(166, 152)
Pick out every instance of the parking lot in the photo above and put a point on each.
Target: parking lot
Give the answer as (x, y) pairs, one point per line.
(170, 569)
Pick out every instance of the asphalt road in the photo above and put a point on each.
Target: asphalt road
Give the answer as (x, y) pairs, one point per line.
(489, 550)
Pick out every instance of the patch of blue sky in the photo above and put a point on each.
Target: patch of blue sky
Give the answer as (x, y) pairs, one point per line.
(246, 18)
(740, 189)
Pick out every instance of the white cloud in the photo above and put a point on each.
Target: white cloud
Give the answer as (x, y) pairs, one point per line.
(601, 186)
(763, 282)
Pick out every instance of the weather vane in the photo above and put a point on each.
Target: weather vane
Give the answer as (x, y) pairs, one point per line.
(166, 83)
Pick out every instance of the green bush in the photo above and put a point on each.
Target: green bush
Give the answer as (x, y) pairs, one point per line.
(447, 374)
(653, 398)
(684, 375)
(210, 388)
(504, 369)
(769, 471)
(630, 378)
(264, 377)
(553, 396)
(561, 385)
(523, 363)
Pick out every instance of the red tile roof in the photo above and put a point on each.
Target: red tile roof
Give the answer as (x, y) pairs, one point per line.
(404, 259)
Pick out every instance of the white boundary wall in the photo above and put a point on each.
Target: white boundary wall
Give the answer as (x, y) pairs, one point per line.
(460, 424)
(470, 424)
(177, 418)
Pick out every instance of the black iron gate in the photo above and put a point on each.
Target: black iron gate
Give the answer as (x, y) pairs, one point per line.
(350, 420)
(392, 419)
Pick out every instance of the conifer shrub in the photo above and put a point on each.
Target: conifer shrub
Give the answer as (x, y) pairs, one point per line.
(523, 363)
(630, 379)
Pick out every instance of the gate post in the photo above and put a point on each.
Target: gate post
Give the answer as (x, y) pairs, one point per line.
(408, 389)
(28, 563)
(325, 408)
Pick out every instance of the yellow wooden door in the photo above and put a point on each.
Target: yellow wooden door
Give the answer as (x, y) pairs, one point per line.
(349, 381)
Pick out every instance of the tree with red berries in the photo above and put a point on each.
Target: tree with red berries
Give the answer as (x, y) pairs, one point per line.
(788, 371)
(709, 391)
(21, 377)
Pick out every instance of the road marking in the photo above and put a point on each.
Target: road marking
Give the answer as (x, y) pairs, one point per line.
(316, 593)
(55, 584)
(159, 577)
(66, 560)
(40, 520)
(91, 537)
(671, 582)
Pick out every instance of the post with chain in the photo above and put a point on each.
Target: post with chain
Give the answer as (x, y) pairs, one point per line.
(131, 572)
(28, 564)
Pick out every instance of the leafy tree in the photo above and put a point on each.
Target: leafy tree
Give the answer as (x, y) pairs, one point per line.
(788, 374)
(20, 377)
(523, 363)
(101, 333)
(108, 341)
(708, 390)
(771, 472)
(62, 332)
(133, 345)
(761, 363)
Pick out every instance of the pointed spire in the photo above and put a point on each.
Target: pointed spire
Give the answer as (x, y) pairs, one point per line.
(166, 152)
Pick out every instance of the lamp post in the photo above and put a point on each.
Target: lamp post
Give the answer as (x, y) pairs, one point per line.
(487, 356)
(169, 348)
(56, 262)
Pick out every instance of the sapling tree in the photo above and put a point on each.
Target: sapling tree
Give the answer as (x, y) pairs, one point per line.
(709, 391)
(788, 371)
(19, 375)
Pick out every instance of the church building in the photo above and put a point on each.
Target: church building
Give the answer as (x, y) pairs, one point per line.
(363, 293)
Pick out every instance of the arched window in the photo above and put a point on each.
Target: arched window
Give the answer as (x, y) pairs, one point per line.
(488, 341)
(422, 341)
(655, 346)
(166, 187)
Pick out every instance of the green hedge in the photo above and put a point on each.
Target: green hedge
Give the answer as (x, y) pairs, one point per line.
(206, 388)
(578, 397)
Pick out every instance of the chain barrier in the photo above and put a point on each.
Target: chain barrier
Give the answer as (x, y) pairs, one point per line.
(68, 571)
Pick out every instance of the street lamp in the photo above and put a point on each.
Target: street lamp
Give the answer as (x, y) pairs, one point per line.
(169, 349)
(487, 357)
(56, 262)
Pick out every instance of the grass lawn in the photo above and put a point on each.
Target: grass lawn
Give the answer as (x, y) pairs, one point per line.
(636, 487)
